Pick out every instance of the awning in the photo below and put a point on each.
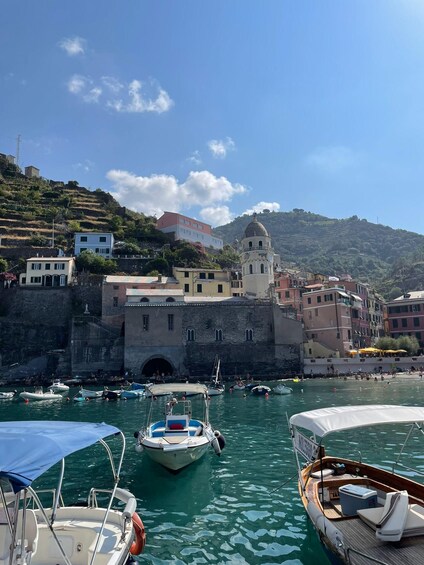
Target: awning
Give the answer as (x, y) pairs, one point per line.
(342, 293)
(177, 387)
(326, 420)
(355, 296)
(30, 448)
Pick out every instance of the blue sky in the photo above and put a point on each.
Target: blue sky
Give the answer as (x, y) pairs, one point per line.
(214, 109)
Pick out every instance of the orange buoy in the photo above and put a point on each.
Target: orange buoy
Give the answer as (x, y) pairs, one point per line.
(138, 544)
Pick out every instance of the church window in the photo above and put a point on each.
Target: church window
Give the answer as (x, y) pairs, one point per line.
(250, 244)
(191, 336)
(260, 244)
(170, 299)
(146, 323)
(170, 322)
(144, 299)
(262, 268)
(186, 288)
(250, 270)
(218, 335)
(249, 335)
(199, 288)
(220, 289)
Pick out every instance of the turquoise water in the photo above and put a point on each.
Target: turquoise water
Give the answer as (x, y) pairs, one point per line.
(243, 507)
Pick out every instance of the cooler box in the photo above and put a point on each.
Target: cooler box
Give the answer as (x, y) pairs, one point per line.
(356, 497)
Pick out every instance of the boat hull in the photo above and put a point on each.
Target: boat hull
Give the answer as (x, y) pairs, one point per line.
(37, 396)
(175, 459)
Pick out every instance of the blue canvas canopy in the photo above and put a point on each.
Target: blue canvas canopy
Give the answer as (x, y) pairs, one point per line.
(28, 449)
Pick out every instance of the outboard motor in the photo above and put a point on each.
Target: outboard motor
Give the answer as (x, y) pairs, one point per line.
(218, 442)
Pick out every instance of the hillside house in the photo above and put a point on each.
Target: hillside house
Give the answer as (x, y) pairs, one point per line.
(48, 271)
(188, 229)
(32, 172)
(99, 243)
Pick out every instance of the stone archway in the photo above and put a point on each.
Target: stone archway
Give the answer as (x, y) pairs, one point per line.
(157, 366)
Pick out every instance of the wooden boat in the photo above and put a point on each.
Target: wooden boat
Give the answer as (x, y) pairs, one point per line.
(216, 386)
(39, 394)
(363, 514)
(179, 439)
(34, 534)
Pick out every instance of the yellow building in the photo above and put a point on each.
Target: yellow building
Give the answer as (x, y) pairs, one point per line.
(48, 271)
(203, 282)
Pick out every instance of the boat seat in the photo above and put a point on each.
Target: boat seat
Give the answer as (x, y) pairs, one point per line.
(396, 519)
(177, 422)
(31, 534)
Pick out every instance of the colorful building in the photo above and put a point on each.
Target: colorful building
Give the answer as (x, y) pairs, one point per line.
(48, 271)
(405, 316)
(188, 229)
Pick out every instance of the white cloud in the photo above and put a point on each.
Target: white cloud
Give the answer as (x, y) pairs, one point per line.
(137, 102)
(195, 158)
(73, 45)
(93, 95)
(77, 84)
(331, 159)
(106, 90)
(219, 148)
(154, 194)
(112, 83)
(85, 166)
(261, 206)
(217, 215)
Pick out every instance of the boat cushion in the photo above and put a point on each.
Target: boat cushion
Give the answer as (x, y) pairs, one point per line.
(176, 426)
(324, 473)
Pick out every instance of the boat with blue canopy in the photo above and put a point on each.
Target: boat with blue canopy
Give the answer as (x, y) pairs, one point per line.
(36, 526)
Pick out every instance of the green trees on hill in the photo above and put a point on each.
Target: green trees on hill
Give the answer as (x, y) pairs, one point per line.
(95, 264)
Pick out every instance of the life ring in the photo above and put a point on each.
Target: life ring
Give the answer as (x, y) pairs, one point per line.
(138, 544)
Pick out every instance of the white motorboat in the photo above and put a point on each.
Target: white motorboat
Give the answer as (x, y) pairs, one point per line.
(58, 386)
(282, 389)
(39, 394)
(260, 390)
(90, 534)
(87, 393)
(239, 385)
(216, 386)
(362, 513)
(178, 439)
(8, 395)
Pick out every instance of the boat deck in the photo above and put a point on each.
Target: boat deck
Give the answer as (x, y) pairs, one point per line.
(356, 534)
(359, 539)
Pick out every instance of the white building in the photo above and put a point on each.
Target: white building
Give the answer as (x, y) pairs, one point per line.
(99, 243)
(48, 271)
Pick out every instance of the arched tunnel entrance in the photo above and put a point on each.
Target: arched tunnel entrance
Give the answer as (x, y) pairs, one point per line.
(157, 367)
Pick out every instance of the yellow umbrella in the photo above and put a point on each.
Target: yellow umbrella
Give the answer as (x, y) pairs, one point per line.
(389, 350)
(401, 351)
(352, 352)
(369, 350)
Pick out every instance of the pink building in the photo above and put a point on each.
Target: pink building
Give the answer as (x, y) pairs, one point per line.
(327, 318)
(289, 288)
(406, 316)
(114, 294)
(360, 315)
(188, 229)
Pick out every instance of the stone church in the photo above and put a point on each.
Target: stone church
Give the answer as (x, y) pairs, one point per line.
(169, 333)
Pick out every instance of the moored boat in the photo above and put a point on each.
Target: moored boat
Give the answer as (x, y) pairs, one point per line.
(58, 386)
(35, 534)
(8, 395)
(362, 513)
(39, 394)
(179, 439)
(282, 389)
(216, 386)
(87, 393)
(260, 390)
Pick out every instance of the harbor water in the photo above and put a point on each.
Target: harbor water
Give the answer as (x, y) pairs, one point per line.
(242, 507)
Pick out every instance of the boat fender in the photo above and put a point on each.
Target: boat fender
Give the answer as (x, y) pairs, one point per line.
(138, 544)
(139, 448)
(136, 434)
(326, 529)
(220, 438)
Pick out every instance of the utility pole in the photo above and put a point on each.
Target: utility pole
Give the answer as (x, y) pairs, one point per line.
(18, 144)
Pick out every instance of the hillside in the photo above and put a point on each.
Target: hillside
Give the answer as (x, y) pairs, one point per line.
(31, 207)
(392, 260)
